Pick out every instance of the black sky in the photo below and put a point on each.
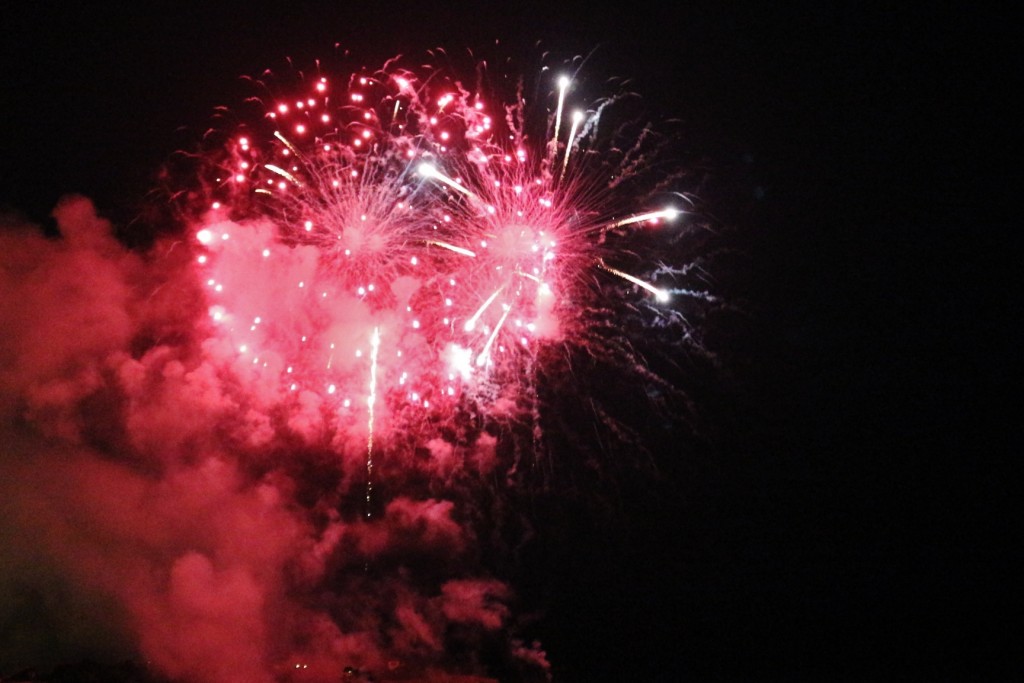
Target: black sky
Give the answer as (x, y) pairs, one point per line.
(850, 520)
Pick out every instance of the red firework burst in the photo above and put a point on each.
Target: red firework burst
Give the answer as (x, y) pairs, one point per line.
(389, 246)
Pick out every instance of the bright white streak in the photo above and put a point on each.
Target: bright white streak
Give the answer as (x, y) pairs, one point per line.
(563, 85)
(370, 401)
(452, 247)
(283, 173)
(669, 214)
(577, 116)
(471, 323)
(429, 171)
(661, 294)
(486, 353)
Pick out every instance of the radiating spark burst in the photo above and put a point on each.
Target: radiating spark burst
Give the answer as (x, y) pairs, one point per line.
(439, 222)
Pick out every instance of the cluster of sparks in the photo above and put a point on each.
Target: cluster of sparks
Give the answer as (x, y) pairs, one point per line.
(418, 245)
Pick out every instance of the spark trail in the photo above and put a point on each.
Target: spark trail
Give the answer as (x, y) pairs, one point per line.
(371, 402)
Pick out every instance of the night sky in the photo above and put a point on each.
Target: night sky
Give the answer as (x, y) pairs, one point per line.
(842, 512)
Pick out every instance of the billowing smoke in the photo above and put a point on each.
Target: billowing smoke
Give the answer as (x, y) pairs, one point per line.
(162, 502)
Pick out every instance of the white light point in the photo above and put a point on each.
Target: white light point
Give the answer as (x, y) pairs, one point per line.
(460, 360)
(427, 170)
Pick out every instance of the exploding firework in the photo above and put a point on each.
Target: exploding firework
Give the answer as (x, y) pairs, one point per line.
(405, 248)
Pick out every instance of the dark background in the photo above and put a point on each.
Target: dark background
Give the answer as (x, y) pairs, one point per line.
(851, 518)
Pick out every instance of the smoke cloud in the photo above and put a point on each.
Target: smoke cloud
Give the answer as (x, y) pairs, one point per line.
(162, 500)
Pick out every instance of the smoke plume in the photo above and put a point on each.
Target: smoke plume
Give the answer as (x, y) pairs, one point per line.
(161, 500)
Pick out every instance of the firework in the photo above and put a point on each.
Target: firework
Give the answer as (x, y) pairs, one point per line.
(421, 227)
